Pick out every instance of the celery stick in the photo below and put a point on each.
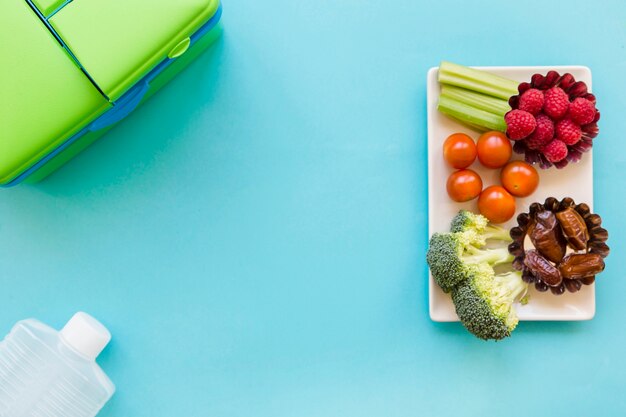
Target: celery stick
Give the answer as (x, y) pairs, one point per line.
(477, 100)
(478, 119)
(477, 80)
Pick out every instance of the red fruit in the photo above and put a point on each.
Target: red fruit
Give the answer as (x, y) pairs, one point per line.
(543, 134)
(496, 204)
(459, 150)
(582, 111)
(494, 149)
(558, 91)
(555, 151)
(555, 103)
(568, 132)
(531, 101)
(519, 124)
(464, 185)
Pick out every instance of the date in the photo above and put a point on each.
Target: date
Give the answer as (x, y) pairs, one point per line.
(546, 236)
(581, 265)
(542, 269)
(574, 228)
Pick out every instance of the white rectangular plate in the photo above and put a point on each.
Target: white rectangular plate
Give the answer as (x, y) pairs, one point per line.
(575, 180)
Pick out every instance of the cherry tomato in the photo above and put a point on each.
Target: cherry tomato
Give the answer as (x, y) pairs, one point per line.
(494, 149)
(519, 178)
(464, 185)
(459, 150)
(496, 204)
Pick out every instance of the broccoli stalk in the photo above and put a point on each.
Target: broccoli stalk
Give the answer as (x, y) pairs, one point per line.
(496, 233)
(511, 287)
(493, 257)
(484, 303)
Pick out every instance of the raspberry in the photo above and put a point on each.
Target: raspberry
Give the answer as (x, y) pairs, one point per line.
(555, 103)
(582, 111)
(568, 132)
(544, 132)
(531, 101)
(555, 151)
(519, 124)
(563, 98)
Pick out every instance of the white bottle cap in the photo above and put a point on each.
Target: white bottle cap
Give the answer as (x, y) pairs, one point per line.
(85, 335)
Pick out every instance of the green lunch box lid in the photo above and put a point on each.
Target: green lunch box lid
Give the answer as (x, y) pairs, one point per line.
(117, 42)
(44, 96)
(48, 7)
(51, 91)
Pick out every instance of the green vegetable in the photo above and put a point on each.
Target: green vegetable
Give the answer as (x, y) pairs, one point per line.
(475, 97)
(475, 118)
(454, 257)
(478, 225)
(460, 263)
(477, 80)
(484, 303)
(476, 100)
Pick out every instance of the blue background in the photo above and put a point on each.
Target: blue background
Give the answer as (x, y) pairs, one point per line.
(254, 236)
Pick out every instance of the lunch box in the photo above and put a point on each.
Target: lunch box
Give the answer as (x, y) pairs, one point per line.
(73, 68)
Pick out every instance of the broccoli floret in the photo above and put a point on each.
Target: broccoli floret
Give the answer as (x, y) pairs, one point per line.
(478, 227)
(444, 259)
(460, 263)
(467, 220)
(452, 258)
(484, 303)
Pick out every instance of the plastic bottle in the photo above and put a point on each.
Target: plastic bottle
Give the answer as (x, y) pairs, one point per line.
(49, 373)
